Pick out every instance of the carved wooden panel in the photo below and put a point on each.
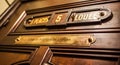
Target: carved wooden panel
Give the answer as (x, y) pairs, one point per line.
(32, 22)
(85, 56)
(24, 55)
(35, 55)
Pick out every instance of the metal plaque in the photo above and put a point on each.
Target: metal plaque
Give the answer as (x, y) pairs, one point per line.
(63, 39)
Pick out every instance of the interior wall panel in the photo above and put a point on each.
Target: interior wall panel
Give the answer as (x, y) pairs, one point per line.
(3, 6)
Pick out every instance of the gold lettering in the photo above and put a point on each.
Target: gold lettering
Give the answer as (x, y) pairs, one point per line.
(32, 21)
(90, 16)
(36, 21)
(76, 17)
(58, 19)
(45, 19)
(80, 16)
(39, 20)
(85, 16)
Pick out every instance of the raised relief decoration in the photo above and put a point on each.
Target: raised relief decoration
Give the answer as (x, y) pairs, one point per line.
(89, 15)
(95, 15)
(65, 39)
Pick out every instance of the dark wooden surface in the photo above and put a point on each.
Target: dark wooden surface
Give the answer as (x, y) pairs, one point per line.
(107, 34)
(80, 61)
(24, 55)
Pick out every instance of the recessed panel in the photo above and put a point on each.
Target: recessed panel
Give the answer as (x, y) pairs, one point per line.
(89, 15)
(37, 21)
(59, 18)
